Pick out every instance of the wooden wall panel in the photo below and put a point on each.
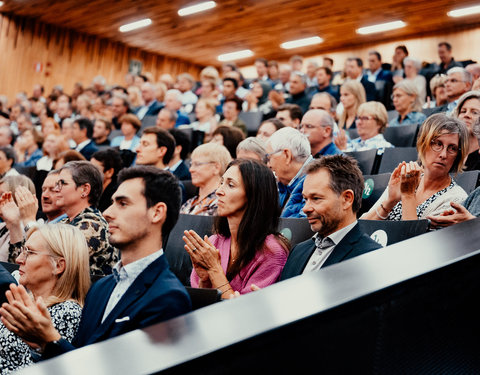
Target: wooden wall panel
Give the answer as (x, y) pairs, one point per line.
(67, 57)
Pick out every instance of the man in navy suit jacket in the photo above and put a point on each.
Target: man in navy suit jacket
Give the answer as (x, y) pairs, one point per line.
(82, 135)
(354, 71)
(152, 106)
(142, 290)
(333, 195)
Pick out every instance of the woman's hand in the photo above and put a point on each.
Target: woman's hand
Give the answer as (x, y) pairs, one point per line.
(27, 204)
(394, 193)
(9, 210)
(341, 140)
(410, 178)
(203, 254)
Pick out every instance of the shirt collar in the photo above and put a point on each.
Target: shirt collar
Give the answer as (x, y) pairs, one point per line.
(132, 270)
(337, 236)
(81, 145)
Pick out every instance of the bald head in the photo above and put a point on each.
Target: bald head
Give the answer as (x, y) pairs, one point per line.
(474, 70)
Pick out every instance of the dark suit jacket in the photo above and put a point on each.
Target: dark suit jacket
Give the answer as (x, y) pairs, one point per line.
(370, 89)
(155, 295)
(182, 172)
(5, 280)
(153, 110)
(353, 244)
(89, 150)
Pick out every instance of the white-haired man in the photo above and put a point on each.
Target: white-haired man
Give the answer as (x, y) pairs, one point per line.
(173, 102)
(288, 153)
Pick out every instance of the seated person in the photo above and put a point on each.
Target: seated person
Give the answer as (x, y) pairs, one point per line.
(268, 127)
(252, 148)
(352, 94)
(54, 268)
(129, 125)
(7, 159)
(229, 137)
(206, 121)
(407, 103)
(101, 130)
(417, 191)
(333, 194)
(177, 164)
(208, 163)
(27, 148)
(288, 154)
(318, 125)
(246, 248)
(372, 119)
(82, 133)
(66, 156)
(231, 109)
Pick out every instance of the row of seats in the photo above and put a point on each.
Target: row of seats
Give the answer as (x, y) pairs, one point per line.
(370, 162)
(399, 136)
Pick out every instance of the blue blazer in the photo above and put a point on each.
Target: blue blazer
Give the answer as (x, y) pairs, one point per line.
(153, 110)
(89, 150)
(370, 89)
(155, 295)
(353, 244)
(182, 172)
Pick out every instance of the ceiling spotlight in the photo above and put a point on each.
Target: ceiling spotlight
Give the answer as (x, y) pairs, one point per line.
(135, 25)
(200, 7)
(464, 11)
(302, 42)
(381, 27)
(1, 3)
(235, 55)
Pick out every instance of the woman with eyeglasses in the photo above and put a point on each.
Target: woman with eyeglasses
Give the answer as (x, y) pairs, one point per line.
(208, 162)
(407, 103)
(417, 190)
(54, 269)
(372, 119)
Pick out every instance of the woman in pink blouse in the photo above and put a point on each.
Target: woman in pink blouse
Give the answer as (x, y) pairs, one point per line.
(246, 248)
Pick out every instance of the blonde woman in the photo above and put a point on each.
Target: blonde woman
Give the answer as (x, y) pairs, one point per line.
(352, 94)
(206, 121)
(54, 269)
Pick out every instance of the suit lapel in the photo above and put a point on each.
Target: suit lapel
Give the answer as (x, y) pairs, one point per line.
(344, 247)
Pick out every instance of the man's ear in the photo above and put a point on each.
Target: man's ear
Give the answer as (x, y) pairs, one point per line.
(161, 152)
(158, 213)
(347, 198)
(288, 154)
(109, 173)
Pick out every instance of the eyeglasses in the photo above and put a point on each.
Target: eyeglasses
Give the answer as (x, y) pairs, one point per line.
(60, 184)
(398, 96)
(25, 251)
(196, 164)
(310, 126)
(453, 80)
(267, 156)
(364, 118)
(438, 146)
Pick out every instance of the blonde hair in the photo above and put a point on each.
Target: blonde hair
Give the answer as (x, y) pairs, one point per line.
(211, 104)
(215, 153)
(409, 88)
(13, 182)
(67, 242)
(376, 110)
(356, 89)
(437, 81)
(437, 125)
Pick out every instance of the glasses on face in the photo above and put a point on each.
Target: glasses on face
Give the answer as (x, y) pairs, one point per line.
(438, 146)
(309, 126)
(25, 251)
(398, 96)
(453, 80)
(269, 155)
(365, 118)
(197, 164)
(60, 184)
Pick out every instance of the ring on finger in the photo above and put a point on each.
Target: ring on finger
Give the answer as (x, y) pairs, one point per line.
(194, 249)
(408, 175)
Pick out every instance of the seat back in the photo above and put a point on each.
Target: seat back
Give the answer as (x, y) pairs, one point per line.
(202, 297)
(295, 230)
(467, 180)
(190, 189)
(252, 120)
(392, 114)
(147, 122)
(401, 136)
(366, 160)
(177, 256)
(393, 156)
(352, 133)
(375, 185)
(387, 232)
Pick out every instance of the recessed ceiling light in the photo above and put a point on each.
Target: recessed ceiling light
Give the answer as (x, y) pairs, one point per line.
(200, 7)
(235, 55)
(381, 27)
(302, 42)
(1, 3)
(135, 25)
(464, 11)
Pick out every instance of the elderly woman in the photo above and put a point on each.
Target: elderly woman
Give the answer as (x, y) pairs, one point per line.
(371, 121)
(208, 163)
(53, 146)
(229, 137)
(246, 248)
(54, 268)
(130, 125)
(352, 94)
(79, 188)
(7, 160)
(468, 111)
(252, 148)
(269, 127)
(412, 68)
(27, 147)
(407, 103)
(416, 191)
(206, 122)
(439, 93)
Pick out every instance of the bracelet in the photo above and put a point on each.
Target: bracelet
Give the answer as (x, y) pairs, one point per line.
(230, 288)
(378, 214)
(221, 286)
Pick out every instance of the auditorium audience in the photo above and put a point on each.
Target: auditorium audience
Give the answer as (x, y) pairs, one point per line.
(407, 103)
(352, 94)
(246, 248)
(7, 160)
(27, 148)
(53, 146)
(173, 102)
(156, 148)
(208, 163)
(54, 268)
(412, 68)
(354, 72)
(298, 91)
(252, 148)
(231, 109)
(288, 154)
(447, 61)
(318, 126)
(458, 82)
(82, 133)
(290, 114)
(257, 100)
(129, 125)
(151, 106)
(206, 121)
(229, 137)
(177, 164)
(416, 191)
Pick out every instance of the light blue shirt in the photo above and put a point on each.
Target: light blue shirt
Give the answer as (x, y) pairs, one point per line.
(375, 142)
(410, 119)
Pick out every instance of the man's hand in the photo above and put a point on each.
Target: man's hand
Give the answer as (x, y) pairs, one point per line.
(27, 319)
(450, 217)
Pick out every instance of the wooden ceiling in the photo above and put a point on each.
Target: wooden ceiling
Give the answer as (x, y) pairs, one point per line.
(259, 25)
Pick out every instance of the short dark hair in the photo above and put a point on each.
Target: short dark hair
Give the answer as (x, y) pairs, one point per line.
(328, 59)
(344, 175)
(159, 186)
(403, 48)
(84, 172)
(238, 102)
(275, 122)
(447, 45)
(108, 124)
(9, 153)
(262, 60)
(164, 139)
(85, 123)
(358, 60)
(233, 80)
(181, 139)
(294, 109)
(376, 53)
(110, 158)
(232, 136)
(327, 70)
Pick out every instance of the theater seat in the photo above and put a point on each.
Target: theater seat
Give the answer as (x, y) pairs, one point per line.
(387, 232)
(401, 136)
(374, 187)
(252, 120)
(190, 189)
(366, 160)
(467, 180)
(202, 297)
(295, 230)
(393, 156)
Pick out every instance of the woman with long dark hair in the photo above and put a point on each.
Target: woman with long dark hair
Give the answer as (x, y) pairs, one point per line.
(246, 248)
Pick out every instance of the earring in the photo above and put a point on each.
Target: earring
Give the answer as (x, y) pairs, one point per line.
(83, 195)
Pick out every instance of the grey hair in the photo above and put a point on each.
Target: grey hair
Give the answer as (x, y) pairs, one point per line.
(466, 76)
(416, 63)
(476, 130)
(333, 101)
(293, 140)
(410, 89)
(302, 76)
(172, 115)
(461, 101)
(253, 144)
(177, 93)
(100, 79)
